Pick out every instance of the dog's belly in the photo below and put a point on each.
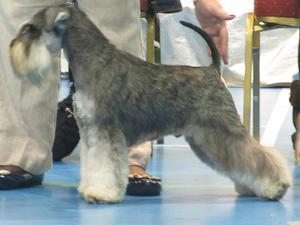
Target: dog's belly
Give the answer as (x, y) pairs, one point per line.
(139, 128)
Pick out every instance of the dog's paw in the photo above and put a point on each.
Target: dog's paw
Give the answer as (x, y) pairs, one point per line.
(275, 177)
(275, 191)
(274, 187)
(99, 195)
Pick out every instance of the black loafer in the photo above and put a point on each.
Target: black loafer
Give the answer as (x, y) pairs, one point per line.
(9, 180)
(143, 185)
(168, 6)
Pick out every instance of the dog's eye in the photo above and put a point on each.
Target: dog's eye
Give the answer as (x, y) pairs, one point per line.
(28, 28)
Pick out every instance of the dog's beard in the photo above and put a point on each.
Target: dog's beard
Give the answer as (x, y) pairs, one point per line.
(35, 64)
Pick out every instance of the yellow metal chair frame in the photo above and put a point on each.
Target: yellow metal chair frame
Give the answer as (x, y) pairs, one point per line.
(152, 52)
(254, 26)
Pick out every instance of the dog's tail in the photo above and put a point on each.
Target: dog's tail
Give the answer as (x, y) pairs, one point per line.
(216, 59)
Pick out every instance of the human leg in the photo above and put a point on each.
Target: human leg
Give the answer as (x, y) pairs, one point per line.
(25, 136)
(140, 182)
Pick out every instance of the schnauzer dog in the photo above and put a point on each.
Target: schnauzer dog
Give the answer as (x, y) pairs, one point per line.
(122, 101)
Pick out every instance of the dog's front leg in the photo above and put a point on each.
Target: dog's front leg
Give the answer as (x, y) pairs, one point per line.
(104, 165)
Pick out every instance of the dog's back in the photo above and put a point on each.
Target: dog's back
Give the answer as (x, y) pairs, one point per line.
(216, 60)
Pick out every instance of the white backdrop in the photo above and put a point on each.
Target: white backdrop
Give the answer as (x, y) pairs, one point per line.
(180, 45)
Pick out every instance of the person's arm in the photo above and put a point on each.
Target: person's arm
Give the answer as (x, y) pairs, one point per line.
(212, 18)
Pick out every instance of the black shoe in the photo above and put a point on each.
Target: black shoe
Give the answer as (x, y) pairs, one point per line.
(168, 6)
(66, 132)
(143, 185)
(13, 180)
(295, 102)
(293, 139)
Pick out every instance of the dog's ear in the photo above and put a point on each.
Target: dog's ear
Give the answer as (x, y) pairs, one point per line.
(55, 18)
(61, 19)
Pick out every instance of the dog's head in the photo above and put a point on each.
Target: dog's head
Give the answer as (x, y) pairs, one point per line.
(31, 52)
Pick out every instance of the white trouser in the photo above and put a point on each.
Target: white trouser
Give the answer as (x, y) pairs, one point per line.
(28, 112)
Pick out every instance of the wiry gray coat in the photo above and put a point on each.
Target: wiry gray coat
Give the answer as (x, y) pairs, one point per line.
(123, 101)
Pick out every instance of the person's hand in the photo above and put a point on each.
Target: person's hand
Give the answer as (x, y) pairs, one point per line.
(212, 18)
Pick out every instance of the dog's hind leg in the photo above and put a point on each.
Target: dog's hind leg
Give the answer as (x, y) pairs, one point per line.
(104, 165)
(231, 151)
